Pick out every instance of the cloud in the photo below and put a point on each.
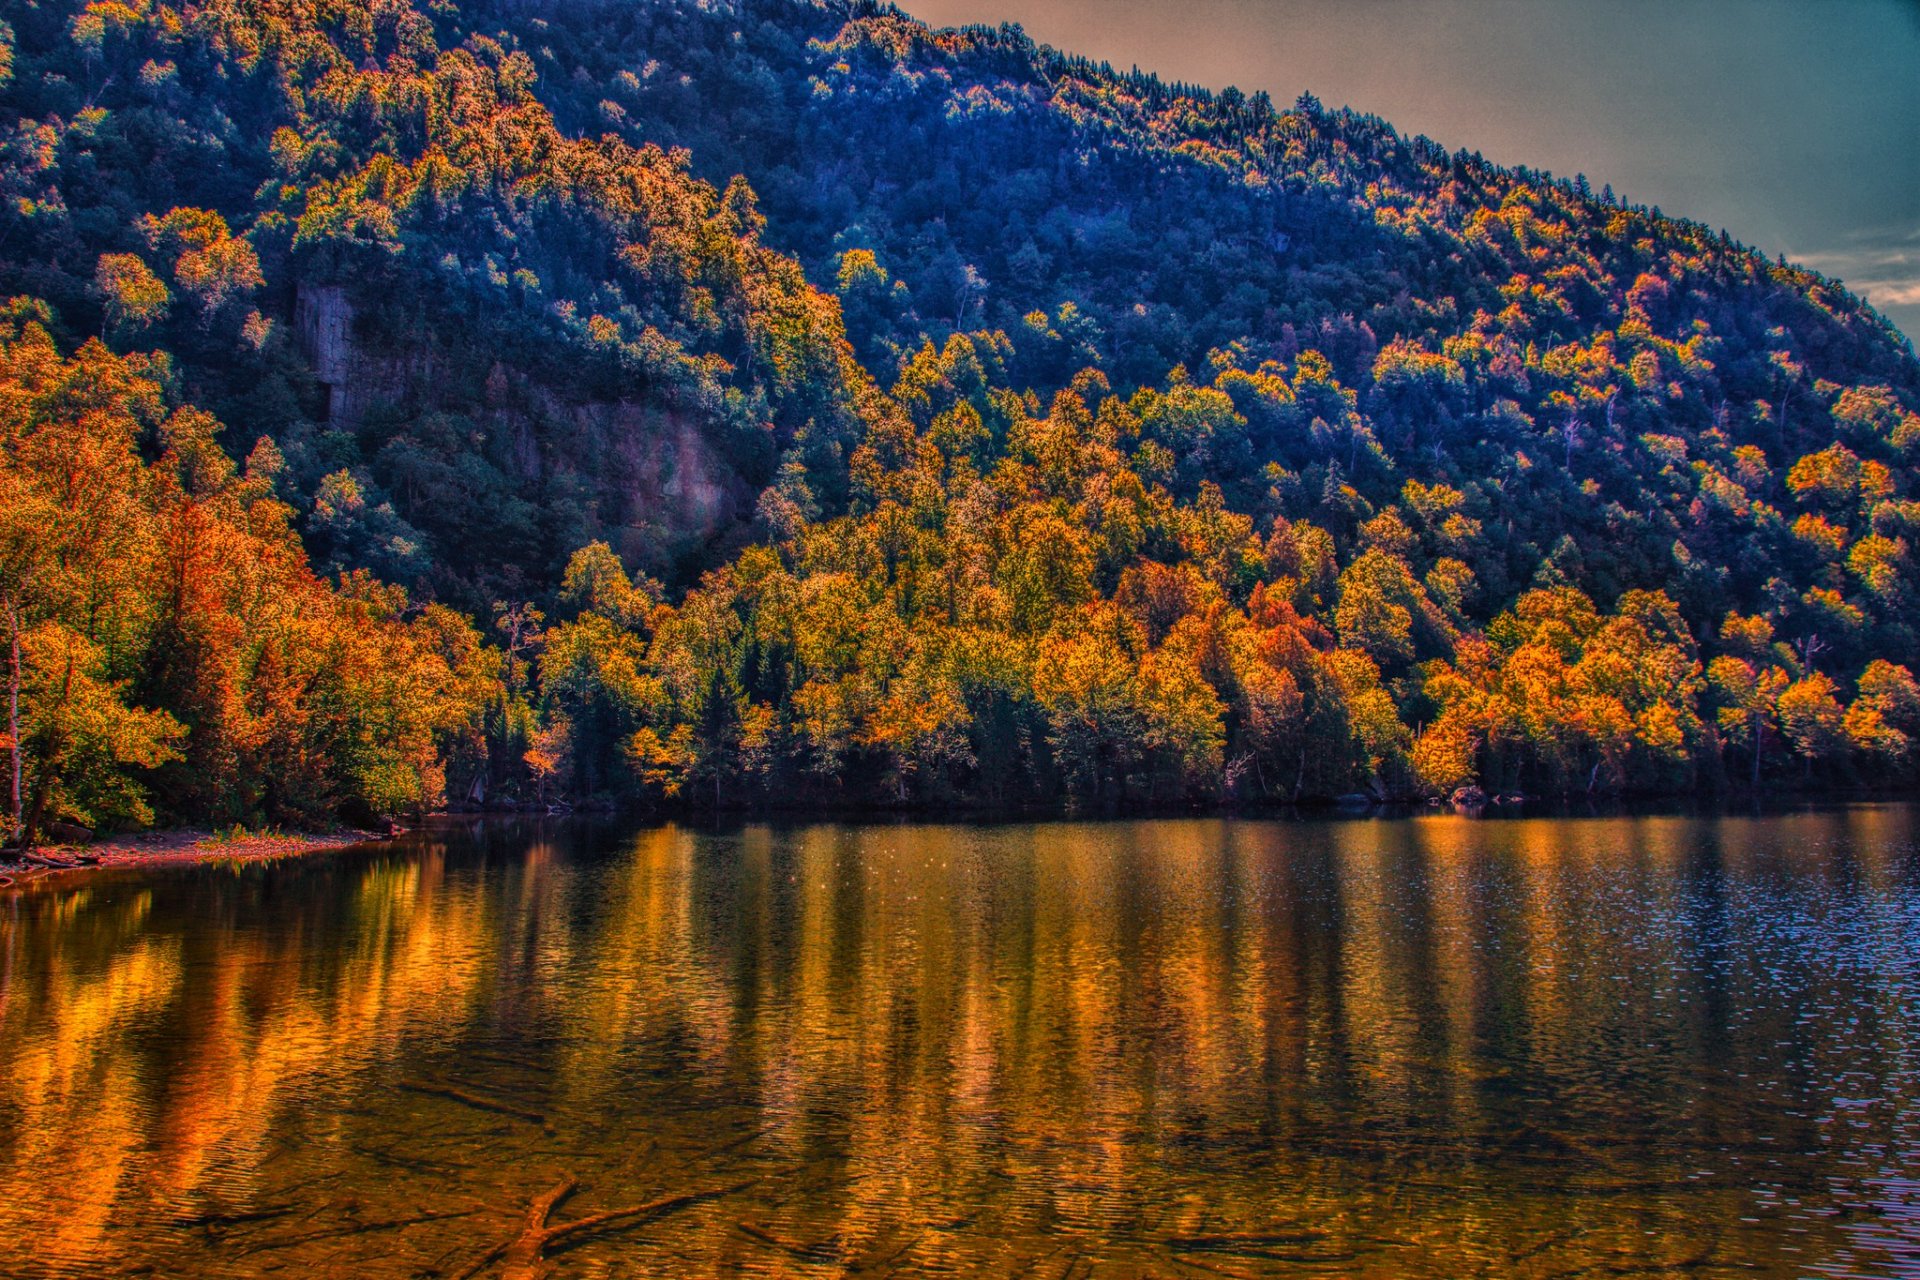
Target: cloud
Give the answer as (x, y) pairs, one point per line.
(1881, 265)
(1893, 293)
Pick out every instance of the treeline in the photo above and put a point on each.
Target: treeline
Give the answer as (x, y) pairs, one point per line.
(166, 643)
(1012, 431)
(1019, 608)
(1015, 610)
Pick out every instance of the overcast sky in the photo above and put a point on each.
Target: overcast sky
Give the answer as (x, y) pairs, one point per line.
(1793, 124)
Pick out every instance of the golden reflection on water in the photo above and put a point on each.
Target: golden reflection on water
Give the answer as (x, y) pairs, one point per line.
(1187, 1048)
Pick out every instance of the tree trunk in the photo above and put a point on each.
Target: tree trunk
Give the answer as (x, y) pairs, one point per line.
(50, 763)
(35, 818)
(17, 830)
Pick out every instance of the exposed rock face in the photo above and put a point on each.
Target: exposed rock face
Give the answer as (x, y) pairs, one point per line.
(663, 485)
(323, 324)
(357, 379)
(670, 473)
(660, 486)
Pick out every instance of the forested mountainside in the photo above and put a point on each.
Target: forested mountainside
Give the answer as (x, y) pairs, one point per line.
(739, 402)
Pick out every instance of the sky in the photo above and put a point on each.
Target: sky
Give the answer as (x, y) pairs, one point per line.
(1792, 124)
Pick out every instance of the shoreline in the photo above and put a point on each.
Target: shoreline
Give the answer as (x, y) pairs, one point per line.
(184, 846)
(189, 846)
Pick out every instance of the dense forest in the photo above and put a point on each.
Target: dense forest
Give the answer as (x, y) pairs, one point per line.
(776, 401)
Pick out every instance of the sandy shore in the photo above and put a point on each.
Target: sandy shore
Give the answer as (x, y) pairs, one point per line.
(171, 848)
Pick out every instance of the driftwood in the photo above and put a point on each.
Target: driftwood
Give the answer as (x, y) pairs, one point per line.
(524, 1257)
(1281, 1246)
(64, 863)
(1552, 1240)
(234, 1219)
(800, 1253)
(735, 1144)
(411, 1163)
(473, 1100)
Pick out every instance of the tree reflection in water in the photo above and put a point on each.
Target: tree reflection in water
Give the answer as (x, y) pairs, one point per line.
(1373, 1048)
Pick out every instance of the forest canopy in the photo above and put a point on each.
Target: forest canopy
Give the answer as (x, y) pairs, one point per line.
(782, 402)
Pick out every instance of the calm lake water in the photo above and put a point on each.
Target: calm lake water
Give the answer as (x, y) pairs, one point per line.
(1412, 1047)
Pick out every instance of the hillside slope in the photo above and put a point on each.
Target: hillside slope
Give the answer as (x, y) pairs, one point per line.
(1038, 430)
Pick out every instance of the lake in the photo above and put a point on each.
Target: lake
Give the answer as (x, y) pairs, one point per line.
(1408, 1047)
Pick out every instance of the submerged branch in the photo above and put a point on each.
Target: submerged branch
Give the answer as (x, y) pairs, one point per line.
(473, 1100)
(524, 1256)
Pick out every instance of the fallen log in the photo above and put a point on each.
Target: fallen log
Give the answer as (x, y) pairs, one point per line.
(473, 1100)
(525, 1256)
(61, 863)
(265, 1214)
(735, 1144)
(797, 1252)
(1280, 1246)
(411, 1163)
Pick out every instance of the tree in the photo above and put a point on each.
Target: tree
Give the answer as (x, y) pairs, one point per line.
(16, 810)
(595, 581)
(208, 263)
(1811, 717)
(1444, 756)
(1377, 610)
(1185, 716)
(134, 298)
(1749, 696)
(84, 741)
(1885, 712)
(1087, 679)
(1046, 568)
(176, 656)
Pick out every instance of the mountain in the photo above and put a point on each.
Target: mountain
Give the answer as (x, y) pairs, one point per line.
(826, 409)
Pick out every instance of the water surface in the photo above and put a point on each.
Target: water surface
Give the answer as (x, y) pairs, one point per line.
(1417, 1047)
